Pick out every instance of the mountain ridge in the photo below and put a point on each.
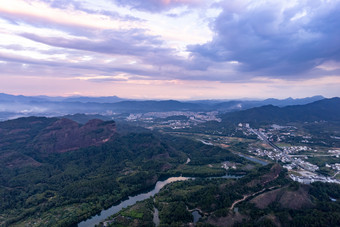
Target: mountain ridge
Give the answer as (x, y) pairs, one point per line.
(322, 110)
(22, 106)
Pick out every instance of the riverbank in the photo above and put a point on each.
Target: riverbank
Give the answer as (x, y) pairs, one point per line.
(95, 220)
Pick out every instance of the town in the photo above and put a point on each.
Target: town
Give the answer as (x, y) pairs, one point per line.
(281, 144)
(290, 156)
(173, 119)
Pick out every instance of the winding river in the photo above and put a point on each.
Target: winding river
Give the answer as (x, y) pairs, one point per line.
(142, 196)
(130, 201)
(133, 199)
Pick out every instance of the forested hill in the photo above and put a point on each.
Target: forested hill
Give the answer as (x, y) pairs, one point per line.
(323, 110)
(25, 139)
(56, 172)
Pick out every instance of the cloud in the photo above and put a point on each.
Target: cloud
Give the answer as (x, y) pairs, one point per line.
(146, 49)
(65, 16)
(27, 66)
(80, 6)
(129, 42)
(156, 5)
(252, 40)
(274, 38)
(71, 26)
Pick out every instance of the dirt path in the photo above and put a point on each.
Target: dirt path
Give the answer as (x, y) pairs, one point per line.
(238, 201)
(199, 210)
(247, 196)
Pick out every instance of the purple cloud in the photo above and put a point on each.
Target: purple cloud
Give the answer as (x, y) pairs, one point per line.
(266, 40)
(155, 5)
(129, 42)
(14, 64)
(65, 4)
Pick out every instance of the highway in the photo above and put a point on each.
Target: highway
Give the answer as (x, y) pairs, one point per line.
(264, 138)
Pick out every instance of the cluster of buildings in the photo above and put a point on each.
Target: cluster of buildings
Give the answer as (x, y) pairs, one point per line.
(190, 118)
(277, 133)
(198, 116)
(272, 154)
(295, 149)
(335, 166)
(311, 179)
(336, 152)
(227, 165)
(297, 163)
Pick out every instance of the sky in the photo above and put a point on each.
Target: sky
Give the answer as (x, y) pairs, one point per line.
(170, 49)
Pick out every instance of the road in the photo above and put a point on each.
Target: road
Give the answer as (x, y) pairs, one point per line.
(264, 138)
(311, 155)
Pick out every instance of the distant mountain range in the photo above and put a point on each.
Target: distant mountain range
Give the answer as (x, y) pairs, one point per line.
(322, 110)
(12, 106)
(247, 104)
(42, 98)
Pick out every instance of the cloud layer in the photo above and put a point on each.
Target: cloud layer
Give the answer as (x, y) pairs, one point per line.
(156, 6)
(176, 42)
(275, 38)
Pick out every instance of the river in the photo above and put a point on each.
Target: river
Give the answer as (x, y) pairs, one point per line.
(196, 216)
(253, 159)
(133, 199)
(140, 197)
(130, 201)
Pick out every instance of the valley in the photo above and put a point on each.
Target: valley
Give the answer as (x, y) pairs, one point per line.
(169, 113)
(61, 171)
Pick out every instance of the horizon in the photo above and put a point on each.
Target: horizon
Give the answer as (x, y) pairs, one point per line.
(170, 49)
(182, 100)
